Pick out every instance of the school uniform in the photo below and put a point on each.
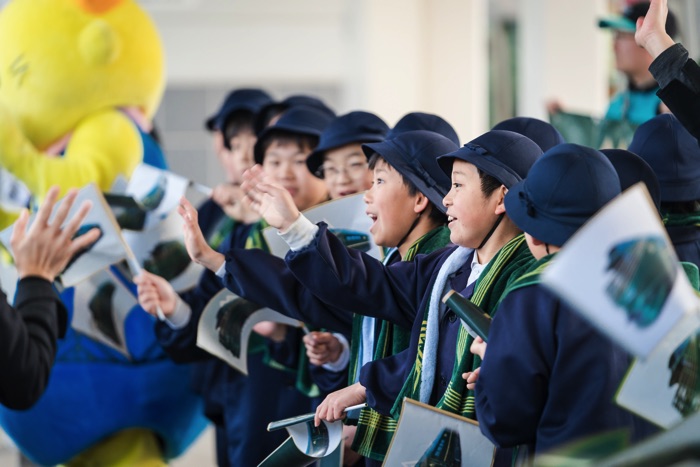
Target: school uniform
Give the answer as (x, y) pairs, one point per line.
(548, 377)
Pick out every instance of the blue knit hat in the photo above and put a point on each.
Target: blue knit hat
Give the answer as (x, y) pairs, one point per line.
(354, 127)
(565, 188)
(414, 155)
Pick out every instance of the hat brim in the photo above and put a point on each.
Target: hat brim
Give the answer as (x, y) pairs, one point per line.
(486, 164)
(210, 123)
(617, 23)
(537, 225)
(315, 159)
(393, 157)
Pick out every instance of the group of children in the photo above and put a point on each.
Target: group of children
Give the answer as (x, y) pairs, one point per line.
(484, 219)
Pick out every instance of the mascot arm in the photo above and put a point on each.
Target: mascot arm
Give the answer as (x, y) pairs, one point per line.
(103, 146)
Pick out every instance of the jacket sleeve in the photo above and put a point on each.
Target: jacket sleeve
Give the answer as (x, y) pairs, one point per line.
(266, 280)
(383, 380)
(28, 336)
(356, 282)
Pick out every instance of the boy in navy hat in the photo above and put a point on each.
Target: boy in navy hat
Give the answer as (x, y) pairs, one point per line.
(271, 112)
(490, 250)
(241, 407)
(547, 377)
(673, 154)
(404, 202)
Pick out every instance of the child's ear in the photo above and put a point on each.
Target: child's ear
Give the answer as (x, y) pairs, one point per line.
(501, 193)
(421, 203)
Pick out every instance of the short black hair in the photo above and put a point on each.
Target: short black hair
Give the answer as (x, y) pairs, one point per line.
(302, 141)
(489, 183)
(240, 121)
(435, 215)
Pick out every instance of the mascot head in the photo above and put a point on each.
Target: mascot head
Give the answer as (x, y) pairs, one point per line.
(62, 60)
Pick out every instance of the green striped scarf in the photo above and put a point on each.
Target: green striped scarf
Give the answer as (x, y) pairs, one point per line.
(510, 261)
(680, 220)
(375, 431)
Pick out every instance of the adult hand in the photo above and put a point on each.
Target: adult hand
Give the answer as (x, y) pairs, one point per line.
(651, 29)
(46, 248)
(154, 292)
(271, 201)
(322, 347)
(195, 243)
(333, 406)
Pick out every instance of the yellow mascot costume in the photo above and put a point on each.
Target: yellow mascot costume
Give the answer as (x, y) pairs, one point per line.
(80, 81)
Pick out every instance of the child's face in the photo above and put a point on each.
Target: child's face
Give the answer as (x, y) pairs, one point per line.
(239, 158)
(345, 171)
(286, 164)
(470, 214)
(390, 206)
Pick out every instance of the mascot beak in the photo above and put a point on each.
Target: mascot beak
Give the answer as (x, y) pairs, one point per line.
(97, 7)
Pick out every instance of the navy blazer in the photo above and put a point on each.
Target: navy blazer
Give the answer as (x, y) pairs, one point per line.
(548, 377)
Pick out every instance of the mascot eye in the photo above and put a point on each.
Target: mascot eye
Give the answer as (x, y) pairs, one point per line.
(18, 69)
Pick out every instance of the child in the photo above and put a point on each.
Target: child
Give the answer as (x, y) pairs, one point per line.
(404, 201)
(241, 407)
(673, 154)
(408, 294)
(547, 377)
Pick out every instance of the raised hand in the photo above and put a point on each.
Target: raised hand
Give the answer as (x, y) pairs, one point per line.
(230, 198)
(270, 200)
(47, 247)
(197, 246)
(153, 292)
(651, 29)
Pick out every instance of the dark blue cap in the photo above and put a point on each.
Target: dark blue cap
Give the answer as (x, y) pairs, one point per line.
(565, 188)
(299, 120)
(422, 121)
(414, 155)
(238, 99)
(627, 22)
(673, 154)
(296, 100)
(632, 169)
(354, 127)
(541, 132)
(505, 155)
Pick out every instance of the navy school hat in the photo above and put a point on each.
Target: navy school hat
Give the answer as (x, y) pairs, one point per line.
(238, 99)
(539, 131)
(632, 169)
(505, 155)
(565, 188)
(354, 127)
(299, 120)
(295, 100)
(423, 121)
(627, 22)
(673, 154)
(414, 155)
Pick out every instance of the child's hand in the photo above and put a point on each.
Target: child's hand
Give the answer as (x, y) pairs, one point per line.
(197, 246)
(154, 292)
(271, 201)
(229, 197)
(333, 406)
(478, 347)
(471, 378)
(651, 29)
(322, 347)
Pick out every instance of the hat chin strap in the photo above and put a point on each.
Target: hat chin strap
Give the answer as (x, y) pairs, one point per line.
(410, 230)
(493, 229)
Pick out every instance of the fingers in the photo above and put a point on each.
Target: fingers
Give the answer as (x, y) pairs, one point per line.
(62, 211)
(42, 216)
(20, 227)
(84, 241)
(74, 223)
